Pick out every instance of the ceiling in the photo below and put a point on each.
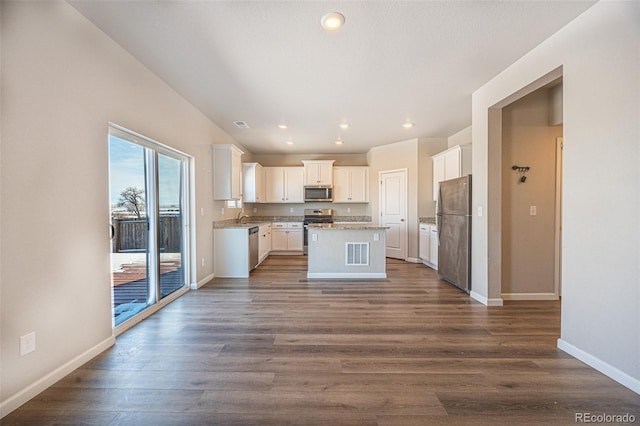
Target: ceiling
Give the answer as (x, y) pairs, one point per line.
(270, 62)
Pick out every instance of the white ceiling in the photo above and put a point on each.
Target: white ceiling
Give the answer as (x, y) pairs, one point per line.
(270, 62)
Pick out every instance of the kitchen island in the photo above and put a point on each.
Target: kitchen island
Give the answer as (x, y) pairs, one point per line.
(351, 251)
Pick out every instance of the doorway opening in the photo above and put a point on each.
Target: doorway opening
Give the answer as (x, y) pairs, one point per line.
(149, 210)
(531, 195)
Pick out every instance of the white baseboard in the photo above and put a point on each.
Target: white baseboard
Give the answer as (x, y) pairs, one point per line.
(31, 391)
(346, 275)
(529, 296)
(487, 302)
(414, 260)
(195, 286)
(606, 369)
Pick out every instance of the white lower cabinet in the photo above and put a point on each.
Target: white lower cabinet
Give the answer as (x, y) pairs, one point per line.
(428, 247)
(286, 236)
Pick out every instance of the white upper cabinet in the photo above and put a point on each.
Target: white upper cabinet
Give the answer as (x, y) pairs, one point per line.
(453, 163)
(253, 183)
(284, 184)
(227, 172)
(318, 172)
(350, 184)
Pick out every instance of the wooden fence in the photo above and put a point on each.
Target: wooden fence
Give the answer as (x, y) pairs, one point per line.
(131, 234)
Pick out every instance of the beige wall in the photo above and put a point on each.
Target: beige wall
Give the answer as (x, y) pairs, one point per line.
(62, 82)
(274, 209)
(528, 242)
(291, 160)
(600, 264)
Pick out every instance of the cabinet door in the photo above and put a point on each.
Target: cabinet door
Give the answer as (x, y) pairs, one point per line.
(311, 174)
(279, 239)
(359, 185)
(236, 174)
(274, 184)
(259, 184)
(424, 247)
(325, 173)
(438, 175)
(294, 240)
(294, 185)
(341, 185)
(433, 246)
(452, 164)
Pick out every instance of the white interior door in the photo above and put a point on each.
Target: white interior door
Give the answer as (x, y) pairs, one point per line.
(393, 211)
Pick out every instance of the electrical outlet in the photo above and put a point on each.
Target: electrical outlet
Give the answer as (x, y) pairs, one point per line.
(201, 211)
(479, 211)
(27, 343)
(290, 209)
(202, 261)
(348, 209)
(376, 237)
(314, 237)
(222, 210)
(533, 210)
(255, 210)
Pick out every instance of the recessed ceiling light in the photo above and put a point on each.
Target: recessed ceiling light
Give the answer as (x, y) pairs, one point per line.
(332, 21)
(408, 125)
(282, 126)
(344, 125)
(289, 142)
(339, 141)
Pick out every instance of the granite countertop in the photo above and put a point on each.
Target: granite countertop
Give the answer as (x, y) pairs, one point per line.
(348, 226)
(429, 220)
(232, 223)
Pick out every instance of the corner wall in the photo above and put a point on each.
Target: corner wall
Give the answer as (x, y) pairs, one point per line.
(599, 56)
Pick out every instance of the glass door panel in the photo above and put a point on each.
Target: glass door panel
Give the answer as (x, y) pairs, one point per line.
(129, 220)
(170, 223)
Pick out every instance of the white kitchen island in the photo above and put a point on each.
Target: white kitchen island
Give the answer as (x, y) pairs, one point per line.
(348, 251)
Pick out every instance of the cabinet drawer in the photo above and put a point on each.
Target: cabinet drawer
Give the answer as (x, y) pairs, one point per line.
(296, 225)
(279, 225)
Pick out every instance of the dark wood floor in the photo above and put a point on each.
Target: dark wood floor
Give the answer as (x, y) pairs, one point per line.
(275, 349)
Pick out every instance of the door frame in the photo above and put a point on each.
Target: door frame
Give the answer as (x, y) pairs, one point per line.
(557, 273)
(406, 205)
(188, 226)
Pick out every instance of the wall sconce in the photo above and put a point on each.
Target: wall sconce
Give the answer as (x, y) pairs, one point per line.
(522, 170)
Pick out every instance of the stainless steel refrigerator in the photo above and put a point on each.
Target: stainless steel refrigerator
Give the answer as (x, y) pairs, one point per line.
(454, 232)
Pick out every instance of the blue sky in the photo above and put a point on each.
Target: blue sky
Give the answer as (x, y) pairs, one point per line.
(126, 168)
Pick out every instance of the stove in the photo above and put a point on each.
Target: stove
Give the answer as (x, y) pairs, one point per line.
(315, 216)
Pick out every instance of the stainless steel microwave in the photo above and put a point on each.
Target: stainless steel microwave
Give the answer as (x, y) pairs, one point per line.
(315, 193)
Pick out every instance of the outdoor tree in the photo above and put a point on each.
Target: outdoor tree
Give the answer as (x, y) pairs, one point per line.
(133, 199)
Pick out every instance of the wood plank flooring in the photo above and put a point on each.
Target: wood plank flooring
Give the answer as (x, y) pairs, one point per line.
(276, 349)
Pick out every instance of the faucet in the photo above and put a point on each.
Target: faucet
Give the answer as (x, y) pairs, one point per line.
(241, 216)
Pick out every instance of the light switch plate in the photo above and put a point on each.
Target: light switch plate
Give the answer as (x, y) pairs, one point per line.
(533, 210)
(27, 343)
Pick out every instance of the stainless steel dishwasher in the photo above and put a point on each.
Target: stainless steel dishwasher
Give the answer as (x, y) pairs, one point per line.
(254, 238)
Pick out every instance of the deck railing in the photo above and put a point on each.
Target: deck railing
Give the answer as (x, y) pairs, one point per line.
(131, 234)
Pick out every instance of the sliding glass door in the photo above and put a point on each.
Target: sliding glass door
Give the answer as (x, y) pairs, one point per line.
(149, 222)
